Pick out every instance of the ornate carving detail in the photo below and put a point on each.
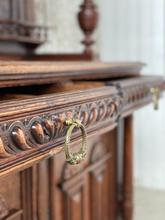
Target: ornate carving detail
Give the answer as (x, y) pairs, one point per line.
(4, 209)
(45, 130)
(88, 17)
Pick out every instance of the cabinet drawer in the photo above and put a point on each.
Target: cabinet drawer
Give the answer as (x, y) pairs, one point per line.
(137, 91)
(33, 129)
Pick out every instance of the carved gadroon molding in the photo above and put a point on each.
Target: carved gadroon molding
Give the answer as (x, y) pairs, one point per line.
(47, 130)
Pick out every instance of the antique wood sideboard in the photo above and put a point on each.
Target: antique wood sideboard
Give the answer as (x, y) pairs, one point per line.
(37, 100)
(50, 109)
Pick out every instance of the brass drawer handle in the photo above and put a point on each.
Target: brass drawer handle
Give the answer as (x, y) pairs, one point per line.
(155, 97)
(75, 158)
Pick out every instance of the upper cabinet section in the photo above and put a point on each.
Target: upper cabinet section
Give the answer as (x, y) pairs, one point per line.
(34, 22)
(18, 22)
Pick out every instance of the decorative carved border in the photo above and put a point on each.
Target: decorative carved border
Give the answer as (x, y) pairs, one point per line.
(38, 132)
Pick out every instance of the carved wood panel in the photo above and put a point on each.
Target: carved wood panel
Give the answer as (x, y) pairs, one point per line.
(85, 192)
(54, 190)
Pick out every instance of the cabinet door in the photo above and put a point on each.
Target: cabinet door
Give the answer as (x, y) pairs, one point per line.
(86, 191)
(55, 190)
(10, 198)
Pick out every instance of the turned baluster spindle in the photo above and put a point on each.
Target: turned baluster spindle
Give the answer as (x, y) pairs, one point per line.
(88, 17)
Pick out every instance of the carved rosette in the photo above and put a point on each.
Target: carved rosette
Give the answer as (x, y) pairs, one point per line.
(35, 132)
(88, 17)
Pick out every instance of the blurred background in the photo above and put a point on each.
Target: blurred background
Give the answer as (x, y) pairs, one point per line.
(129, 30)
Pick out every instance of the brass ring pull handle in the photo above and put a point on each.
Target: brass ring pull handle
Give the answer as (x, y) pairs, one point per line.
(75, 158)
(155, 97)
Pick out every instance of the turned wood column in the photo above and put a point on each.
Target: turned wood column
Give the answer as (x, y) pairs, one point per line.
(128, 169)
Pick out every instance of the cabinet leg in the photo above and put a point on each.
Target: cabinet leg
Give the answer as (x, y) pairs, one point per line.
(128, 169)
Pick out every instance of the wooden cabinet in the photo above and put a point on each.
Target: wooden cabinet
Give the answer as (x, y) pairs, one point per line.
(36, 181)
(38, 98)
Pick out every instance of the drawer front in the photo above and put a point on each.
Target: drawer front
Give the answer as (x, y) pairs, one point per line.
(137, 92)
(33, 129)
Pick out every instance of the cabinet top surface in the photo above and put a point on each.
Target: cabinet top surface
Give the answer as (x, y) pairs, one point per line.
(26, 73)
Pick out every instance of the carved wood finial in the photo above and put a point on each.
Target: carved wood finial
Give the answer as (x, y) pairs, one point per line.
(88, 17)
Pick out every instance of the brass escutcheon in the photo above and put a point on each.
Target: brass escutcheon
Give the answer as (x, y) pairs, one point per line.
(78, 157)
(155, 97)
